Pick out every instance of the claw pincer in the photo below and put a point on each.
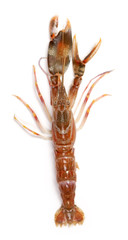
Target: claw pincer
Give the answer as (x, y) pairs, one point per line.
(59, 49)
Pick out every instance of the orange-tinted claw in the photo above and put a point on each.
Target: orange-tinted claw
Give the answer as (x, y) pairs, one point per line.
(59, 51)
(78, 65)
(53, 27)
(68, 26)
(92, 53)
(79, 68)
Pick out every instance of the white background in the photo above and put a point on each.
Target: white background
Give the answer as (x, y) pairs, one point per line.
(29, 194)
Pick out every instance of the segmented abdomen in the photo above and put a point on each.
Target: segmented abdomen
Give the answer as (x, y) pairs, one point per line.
(65, 163)
(66, 176)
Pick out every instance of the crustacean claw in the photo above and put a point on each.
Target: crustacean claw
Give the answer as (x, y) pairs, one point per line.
(79, 68)
(60, 47)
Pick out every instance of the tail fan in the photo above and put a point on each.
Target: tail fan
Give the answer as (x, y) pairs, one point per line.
(69, 216)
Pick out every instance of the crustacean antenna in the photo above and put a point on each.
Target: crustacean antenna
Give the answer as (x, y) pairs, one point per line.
(63, 62)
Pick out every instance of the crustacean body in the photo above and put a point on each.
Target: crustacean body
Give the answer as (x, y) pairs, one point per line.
(63, 133)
